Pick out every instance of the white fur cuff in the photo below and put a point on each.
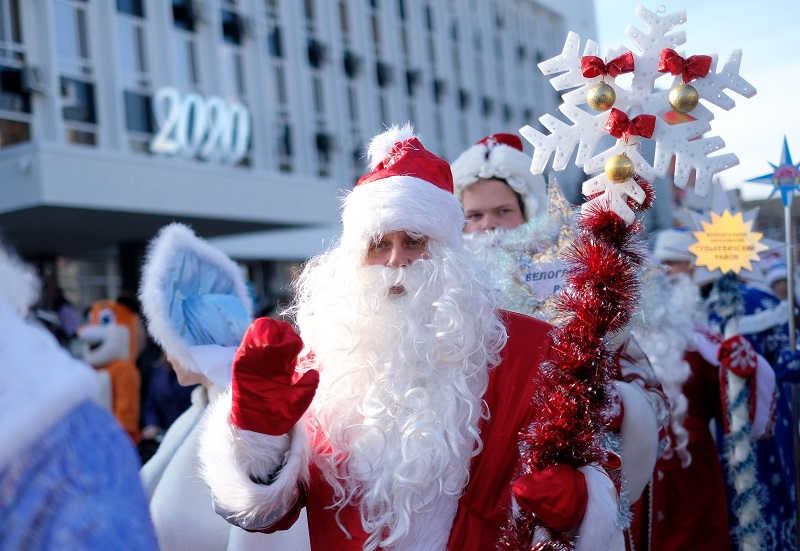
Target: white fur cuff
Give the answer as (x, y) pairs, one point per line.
(600, 522)
(230, 456)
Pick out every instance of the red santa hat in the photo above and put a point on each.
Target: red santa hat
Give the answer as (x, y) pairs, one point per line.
(501, 156)
(408, 189)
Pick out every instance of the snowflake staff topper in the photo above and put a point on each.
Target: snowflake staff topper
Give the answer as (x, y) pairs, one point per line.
(597, 106)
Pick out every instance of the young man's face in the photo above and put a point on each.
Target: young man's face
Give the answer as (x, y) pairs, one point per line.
(491, 204)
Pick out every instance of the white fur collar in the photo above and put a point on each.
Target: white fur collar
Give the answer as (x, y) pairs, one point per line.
(39, 383)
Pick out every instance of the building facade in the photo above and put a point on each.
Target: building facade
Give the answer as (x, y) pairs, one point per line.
(234, 116)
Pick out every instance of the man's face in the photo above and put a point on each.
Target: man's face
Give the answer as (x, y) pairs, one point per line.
(490, 204)
(678, 267)
(780, 289)
(396, 249)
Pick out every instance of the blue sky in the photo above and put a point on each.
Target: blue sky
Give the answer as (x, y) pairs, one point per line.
(768, 33)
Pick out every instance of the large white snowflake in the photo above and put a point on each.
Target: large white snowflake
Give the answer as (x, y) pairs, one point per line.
(684, 141)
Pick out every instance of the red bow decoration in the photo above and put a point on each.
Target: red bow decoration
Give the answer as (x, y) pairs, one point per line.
(620, 126)
(696, 66)
(592, 66)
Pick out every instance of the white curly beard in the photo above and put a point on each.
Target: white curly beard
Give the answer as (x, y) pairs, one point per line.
(401, 386)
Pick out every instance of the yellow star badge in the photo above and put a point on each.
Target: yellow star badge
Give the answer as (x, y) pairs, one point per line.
(727, 243)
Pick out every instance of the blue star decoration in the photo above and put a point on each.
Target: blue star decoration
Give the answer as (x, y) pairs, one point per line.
(785, 177)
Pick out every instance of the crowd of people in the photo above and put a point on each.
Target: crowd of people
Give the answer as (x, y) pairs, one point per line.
(388, 414)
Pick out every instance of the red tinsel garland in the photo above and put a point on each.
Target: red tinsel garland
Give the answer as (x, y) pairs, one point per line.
(572, 391)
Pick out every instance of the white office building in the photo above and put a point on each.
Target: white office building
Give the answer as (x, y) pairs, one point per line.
(235, 116)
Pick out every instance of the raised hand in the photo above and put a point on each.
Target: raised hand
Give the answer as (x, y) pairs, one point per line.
(269, 396)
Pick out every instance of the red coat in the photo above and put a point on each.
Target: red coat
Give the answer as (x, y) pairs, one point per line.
(483, 508)
(689, 510)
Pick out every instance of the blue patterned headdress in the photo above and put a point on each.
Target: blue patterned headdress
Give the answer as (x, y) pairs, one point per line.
(196, 302)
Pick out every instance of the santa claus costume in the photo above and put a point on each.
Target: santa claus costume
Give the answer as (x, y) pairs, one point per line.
(398, 426)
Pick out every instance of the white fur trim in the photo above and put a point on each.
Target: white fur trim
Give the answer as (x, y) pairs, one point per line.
(382, 144)
(766, 319)
(765, 393)
(600, 522)
(400, 203)
(229, 456)
(39, 383)
(672, 245)
(19, 286)
(639, 438)
(506, 163)
(169, 242)
(214, 361)
(707, 348)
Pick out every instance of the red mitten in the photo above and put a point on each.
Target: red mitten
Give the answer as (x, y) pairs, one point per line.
(558, 495)
(738, 355)
(269, 396)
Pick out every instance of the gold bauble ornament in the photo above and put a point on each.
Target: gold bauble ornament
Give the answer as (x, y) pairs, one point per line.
(601, 96)
(683, 98)
(619, 169)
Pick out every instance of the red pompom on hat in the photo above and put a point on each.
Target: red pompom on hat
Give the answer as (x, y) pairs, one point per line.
(501, 156)
(510, 140)
(408, 189)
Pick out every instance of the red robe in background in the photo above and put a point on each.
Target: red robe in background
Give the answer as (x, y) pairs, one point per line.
(689, 509)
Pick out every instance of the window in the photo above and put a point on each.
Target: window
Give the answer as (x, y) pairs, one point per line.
(488, 106)
(343, 24)
(77, 100)
(131, 7)
(72, 38)
(75, 67)
(439, 90)
(325, 147)
(284, 133)
(13, 96)
(187, 75)
(138, 112)
(463, 99)
(232, 27)
(352, 64)
(132, 53)
(10, 27)
(317, 53)
(275, 43)
(428, 18)
(12, 132)
(384, 74)
(413, 77)
(319, 96)
(376, 29)
(280, 85)
(352, 103)
(183, 15)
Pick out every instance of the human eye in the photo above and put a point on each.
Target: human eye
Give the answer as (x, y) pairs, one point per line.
(473, 216)
(415, 243)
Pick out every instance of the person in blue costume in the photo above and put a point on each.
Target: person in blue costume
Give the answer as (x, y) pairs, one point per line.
(197, 306)
(68, 472)
(774, 456)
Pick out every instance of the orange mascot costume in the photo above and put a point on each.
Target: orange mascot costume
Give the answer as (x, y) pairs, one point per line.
(111, 339)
